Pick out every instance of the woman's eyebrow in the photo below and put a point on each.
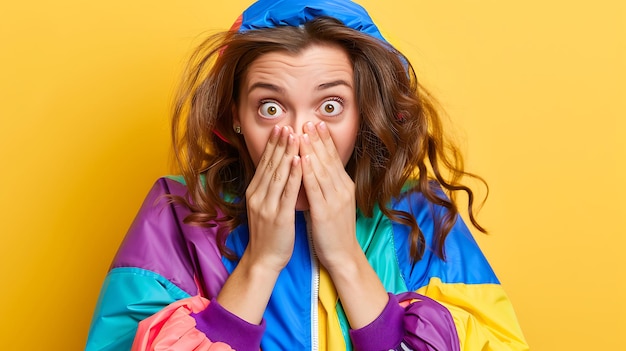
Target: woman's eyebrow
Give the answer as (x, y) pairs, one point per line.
(268, 86)
(334, 84)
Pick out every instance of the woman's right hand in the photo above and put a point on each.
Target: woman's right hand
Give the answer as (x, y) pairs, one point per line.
(271, 200)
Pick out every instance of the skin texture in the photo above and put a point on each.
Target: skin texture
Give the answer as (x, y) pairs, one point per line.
(306, 104)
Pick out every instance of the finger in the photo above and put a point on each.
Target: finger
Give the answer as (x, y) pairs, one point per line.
(267, 154)
(327, 180)
(329, 145)
(324, 148)
(281, 175)
(256, 193)
(292, 188)
(310, 182)
(333, 154)
(272, 171)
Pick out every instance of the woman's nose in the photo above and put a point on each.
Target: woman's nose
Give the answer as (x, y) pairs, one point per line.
(300, 121)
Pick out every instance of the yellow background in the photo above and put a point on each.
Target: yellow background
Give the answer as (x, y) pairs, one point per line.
(535, 89)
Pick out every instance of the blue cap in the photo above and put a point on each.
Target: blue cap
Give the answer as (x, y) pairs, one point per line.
(274, 13)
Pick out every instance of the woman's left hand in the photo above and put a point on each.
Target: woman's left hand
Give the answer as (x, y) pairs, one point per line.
(331, 196)
(332, 204)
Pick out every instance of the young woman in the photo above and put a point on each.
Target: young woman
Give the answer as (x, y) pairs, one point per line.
(312, 211)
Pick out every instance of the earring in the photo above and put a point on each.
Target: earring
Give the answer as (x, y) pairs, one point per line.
(237, 129)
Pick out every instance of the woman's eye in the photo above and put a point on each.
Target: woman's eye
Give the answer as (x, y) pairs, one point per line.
(270, 109)
(331, 108)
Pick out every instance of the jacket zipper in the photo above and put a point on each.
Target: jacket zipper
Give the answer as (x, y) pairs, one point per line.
(315, 283)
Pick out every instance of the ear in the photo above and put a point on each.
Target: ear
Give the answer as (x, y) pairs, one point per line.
(235, 113)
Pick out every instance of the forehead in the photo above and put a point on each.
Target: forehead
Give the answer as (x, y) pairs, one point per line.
(313, 64)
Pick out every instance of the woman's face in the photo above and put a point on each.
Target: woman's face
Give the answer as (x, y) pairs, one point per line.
(284, 89)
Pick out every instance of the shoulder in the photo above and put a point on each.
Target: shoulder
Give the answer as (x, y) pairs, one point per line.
(159, 241)
(464, 261)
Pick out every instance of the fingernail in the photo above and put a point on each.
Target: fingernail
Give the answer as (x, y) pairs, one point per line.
(291, 139)
(310, 126)
(306, 139)
(322, 126)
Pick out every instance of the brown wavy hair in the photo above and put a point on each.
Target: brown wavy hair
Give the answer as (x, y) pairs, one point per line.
(401, 140)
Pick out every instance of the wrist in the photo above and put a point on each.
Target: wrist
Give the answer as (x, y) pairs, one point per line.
(360, 290)
(247, 290)
(346, 266)
(261, 266)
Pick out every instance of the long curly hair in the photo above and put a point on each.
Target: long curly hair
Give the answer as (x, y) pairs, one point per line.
(400, 141)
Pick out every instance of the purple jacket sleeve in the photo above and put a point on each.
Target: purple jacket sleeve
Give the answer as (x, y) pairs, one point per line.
(423, 324)
(218, 324)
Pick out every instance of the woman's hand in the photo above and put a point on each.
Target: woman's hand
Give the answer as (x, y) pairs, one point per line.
(271, 200)
(331, 195)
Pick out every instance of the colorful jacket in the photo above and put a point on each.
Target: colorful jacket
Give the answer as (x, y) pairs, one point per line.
(166, 273)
